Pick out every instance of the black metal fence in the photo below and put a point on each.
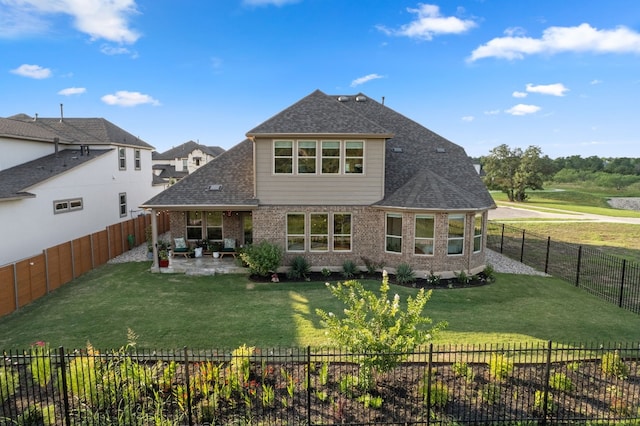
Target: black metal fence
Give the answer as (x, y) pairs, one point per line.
(611, 278)
(538, 383)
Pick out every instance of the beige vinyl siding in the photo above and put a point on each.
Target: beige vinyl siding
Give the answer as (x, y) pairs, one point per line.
(320, 189)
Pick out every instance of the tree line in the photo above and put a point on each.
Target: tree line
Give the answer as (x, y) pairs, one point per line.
(514, 170)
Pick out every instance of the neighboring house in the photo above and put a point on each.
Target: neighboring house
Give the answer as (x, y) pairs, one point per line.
(172, 165)
(333, 178)
(64, 179)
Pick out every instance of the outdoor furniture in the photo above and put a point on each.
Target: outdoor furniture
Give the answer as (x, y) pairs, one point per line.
(228, 248)
(180, 247)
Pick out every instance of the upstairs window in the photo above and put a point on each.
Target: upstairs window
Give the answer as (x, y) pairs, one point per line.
(137, 162)
(456, 234)
(122, 158)
(330, 157)
(283, 157)
(425, 226)
(65, 206)
(477, 233)
(394, 233)
(307, 157)
(354, 157)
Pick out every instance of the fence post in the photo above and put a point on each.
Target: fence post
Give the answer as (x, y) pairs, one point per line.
(547, 374)
(428, 402)
(546, 261)
(522, 247)
(65, 390)
(502, 239)
(309, 385)
(578, 266)
(624, 268)
(188, 380)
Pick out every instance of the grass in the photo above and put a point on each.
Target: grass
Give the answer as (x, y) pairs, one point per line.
(225, 311)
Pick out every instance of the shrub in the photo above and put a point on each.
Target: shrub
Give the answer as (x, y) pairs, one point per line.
(490, 393)
(349, 269)
(613, 365)
(538, 402)
(372, 267)
(560, 381)
(299, 269)
(489, 273)
(9, 381)
(462, 369)
(432, 278)
(262, 259)
(438, 393)
(500, 367)
(462, 277)
(405, 274)
(326, 272)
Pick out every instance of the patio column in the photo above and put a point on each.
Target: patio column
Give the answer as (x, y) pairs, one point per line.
(154, 239)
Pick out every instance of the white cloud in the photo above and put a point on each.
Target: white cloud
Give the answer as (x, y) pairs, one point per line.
(523, 109)
(583, 38)
(101, 19)
(366, 78)
(32, 71)
(111, 50)
(468, 118)
(492, 112)
(72, 91)
(268, 2)
(594, 82)
(429, 23)
(519, 95)
(129, 99)
(557, 89)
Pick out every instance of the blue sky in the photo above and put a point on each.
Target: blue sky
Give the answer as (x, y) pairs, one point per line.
(560, 74)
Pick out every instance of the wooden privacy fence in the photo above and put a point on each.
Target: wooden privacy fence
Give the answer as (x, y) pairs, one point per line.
(611, 278)
(26, 280)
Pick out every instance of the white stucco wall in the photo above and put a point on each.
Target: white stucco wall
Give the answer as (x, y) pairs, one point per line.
(29, 226)
(15, 152)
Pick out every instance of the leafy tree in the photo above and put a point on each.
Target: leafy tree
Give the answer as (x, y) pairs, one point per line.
(513, 171)
(377, 327)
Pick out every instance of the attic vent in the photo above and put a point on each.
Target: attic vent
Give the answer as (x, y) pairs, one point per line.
(343, 98)
(361, 98)
(396, 149)
(216, 187)
(440, 150)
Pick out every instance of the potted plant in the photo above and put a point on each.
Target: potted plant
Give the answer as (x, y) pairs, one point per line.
(163, 254)
(149, 238)
(215, 248)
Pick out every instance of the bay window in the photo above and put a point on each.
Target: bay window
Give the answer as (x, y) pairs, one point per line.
(455, 242)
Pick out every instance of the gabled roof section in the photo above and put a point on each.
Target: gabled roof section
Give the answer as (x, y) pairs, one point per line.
(16, 181)
(423, 170)
(319, 114)
(87, 131)
(227, 180)
(183, 151)
(14, 128)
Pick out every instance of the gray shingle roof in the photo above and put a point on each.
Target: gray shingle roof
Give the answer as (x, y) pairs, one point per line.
(232, 170)
(423, 170)
(21, 129)
(93, 131)
(183, 151)
(15, 182)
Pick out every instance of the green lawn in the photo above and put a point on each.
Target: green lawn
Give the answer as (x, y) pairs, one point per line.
(225, 311)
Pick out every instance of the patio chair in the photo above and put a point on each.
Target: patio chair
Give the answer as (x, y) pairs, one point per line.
(180, 247)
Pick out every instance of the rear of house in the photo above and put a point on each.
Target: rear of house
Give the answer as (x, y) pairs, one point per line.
(335, 178)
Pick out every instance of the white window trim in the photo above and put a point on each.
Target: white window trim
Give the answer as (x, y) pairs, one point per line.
(297, 157)
(327, 235)
(303, 235)
(137, 159)
(123, 213)
(339, 158)
(122, 158)
(449, 239)
(334, 235)
(292, 157)
(344, 160)
(387, 235)
(480, 235)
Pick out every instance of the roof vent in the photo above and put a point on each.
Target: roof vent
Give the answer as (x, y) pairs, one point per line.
(216, 187)
(343, 98)
(440, 150)
(396, 149)
(361, 98)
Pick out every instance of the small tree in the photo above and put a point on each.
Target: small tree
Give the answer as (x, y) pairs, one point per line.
(377, 327)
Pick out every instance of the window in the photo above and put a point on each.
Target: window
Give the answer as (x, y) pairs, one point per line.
(353, 157)
(214, 225)
(330, 157)
(185, 163)
(319, 232)
(122, 158)
(425, 225)
(342, 232)
(197, 161)
(194, 225)
(295, 232)
(394, 233)
(123, 204)
(456, 234)
(477, 233)
(66, 206)
(137, 159)
(283, 157)
(307, 157)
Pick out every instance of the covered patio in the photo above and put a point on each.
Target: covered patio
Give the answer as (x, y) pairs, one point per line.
(205, 265)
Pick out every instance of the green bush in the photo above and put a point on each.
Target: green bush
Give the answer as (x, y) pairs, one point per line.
(500, 367)
(299, 269)
(349, 269)
(560, 381)
(462, 369)
(372, 267)
(490, 393)
(462, 277)
(613, 365)
(438, 393)
(538, 402)
(262, 259)
(405, 274)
